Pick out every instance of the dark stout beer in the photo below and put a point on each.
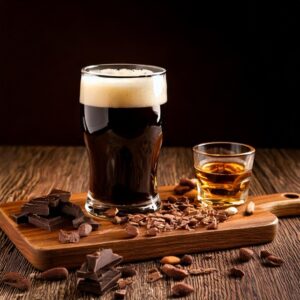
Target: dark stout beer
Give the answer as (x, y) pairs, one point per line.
(123, 137)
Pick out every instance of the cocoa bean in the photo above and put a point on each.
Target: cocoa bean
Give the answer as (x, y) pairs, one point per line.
(173, 272)
(202, 271)
(58, 273)
(182, 289)
(245, 254)
(172, 260)
(237, 273)
(16, 280)
(152, 232)
(265, 253)
(187, 182)
(154, 276)
(180, 189)
(186, 260)
(274, 261)
(131, 231)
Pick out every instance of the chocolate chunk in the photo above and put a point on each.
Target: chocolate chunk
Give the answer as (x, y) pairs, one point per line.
(72, 209)
(41, 209)
(20, 218)
(64, 196)
(237, 273)
(68, 236)
(107, 281)
(46, 223)
(120, 294)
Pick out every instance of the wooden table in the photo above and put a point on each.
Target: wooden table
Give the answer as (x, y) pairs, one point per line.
(31, 171)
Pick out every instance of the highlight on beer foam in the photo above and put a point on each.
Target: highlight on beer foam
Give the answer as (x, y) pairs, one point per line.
(123, 90)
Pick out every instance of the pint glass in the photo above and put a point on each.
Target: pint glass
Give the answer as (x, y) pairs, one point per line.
(121, 118)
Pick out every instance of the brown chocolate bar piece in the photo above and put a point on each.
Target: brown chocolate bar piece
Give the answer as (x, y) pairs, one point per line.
(107, 281)
(50, 200)
(21, 217)
(72, 209)
(97, 274)
(41, 209)
(46, 223)
(64, 196)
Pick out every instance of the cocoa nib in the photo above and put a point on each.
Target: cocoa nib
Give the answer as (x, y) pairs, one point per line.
(245, 254)
(173, 272)
(53, 274)
(237, 273)
(131, 231)
(154, 276)
(182, 289)
(16, 280)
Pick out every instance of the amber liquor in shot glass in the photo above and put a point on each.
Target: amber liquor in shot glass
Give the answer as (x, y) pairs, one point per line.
(224, 171)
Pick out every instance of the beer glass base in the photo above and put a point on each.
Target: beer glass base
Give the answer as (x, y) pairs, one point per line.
(97, 208)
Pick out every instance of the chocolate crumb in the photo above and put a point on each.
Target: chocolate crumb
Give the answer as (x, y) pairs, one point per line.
(111, 212)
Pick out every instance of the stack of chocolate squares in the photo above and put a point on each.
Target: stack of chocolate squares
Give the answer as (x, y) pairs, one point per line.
(98, 274)
(52, 211)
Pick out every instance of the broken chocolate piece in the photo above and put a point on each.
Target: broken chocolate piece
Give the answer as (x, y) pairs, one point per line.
(68, 236)
(120, 294)
(41, 209)
(64, 196)
(20, 218)
(72, 209)
(46, 223)
(97, 274)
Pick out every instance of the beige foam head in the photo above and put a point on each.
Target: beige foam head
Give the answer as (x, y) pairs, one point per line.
(123, 87)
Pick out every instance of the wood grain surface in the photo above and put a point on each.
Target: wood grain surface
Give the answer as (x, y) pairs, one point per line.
(30, 171)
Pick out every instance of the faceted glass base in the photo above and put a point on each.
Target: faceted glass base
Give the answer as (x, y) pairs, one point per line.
(97, 208)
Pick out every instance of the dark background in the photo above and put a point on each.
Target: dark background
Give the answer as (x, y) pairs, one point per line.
(232, 68)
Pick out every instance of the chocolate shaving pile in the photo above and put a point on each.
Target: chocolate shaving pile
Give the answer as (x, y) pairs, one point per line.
(178, 213)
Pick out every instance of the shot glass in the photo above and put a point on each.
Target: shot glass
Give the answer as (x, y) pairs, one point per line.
(223, 170)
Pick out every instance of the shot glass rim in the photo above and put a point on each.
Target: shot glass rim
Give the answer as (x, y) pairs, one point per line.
(251, 149)
(90, 70)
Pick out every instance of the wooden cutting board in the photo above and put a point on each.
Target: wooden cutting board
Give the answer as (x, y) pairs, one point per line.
(43, 251)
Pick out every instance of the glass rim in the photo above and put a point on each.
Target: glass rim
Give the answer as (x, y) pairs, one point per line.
(251, 150)
(90, 70)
